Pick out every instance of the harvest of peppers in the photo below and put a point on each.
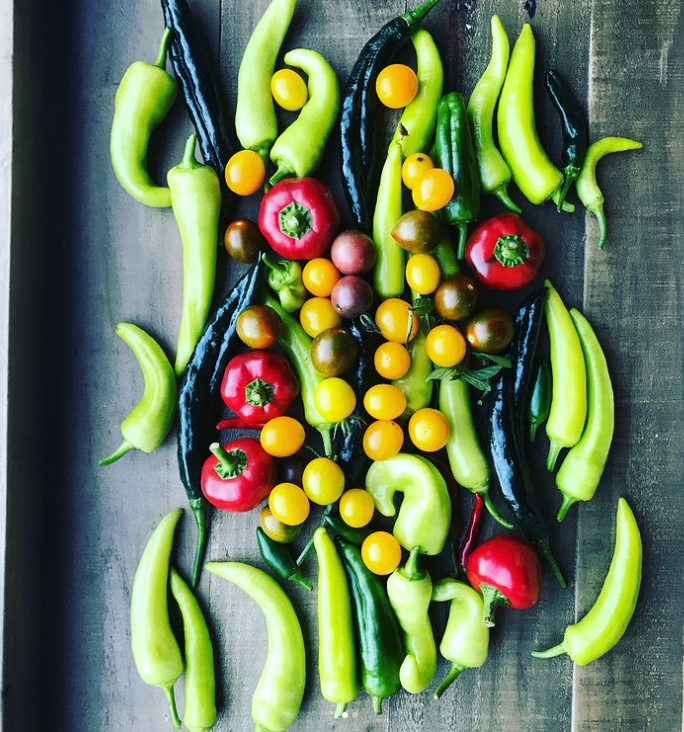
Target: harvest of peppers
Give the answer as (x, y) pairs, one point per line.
(349, 361)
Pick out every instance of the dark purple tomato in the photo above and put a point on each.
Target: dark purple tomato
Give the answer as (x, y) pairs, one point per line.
(351, 296)
(419, 232)
(275, 529)
(291, 469)
(353, 252)
(456, 298)
(334, 351)
(244, 241)
(490, 331)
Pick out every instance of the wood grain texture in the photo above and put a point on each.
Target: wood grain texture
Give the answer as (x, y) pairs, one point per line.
(94, 256)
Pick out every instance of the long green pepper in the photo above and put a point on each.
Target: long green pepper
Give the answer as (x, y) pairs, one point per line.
(414, 384)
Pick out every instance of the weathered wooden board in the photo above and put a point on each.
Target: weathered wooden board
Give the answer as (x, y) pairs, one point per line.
(84, 256)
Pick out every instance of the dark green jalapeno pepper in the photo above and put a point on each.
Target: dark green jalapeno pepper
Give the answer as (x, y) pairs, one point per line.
(279, 558)
(348, 533)
(539, 406)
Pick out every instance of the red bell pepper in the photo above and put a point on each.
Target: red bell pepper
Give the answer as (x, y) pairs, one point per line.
(238, 476)
(299, 218)
(258, 386)
(504, 253)
(506, 570)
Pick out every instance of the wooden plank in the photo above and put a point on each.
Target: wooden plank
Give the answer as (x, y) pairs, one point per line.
(633, 296)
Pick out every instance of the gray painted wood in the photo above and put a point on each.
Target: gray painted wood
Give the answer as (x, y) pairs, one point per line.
(93, 256)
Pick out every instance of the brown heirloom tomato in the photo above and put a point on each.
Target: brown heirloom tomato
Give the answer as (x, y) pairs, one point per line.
(334, 351)
(490, 331)
(456, 298)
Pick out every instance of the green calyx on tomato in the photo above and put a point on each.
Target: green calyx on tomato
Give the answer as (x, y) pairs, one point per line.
(230, 463)
(510, 250)
(259, 393)
(295, 220)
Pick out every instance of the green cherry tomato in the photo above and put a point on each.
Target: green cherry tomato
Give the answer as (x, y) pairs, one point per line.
(334, 351)
(323, 481)
(277, 530)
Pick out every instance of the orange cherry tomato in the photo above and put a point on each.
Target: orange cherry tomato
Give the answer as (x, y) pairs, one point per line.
(423, 273)
(396, 86)
(445, 346)
(245, 173)
(381, 552)
(414, 168)
(428, 429)
(392, 360)
(319, 276)
(282, 436)
(289, 90)
(356, 508)
(392, 317)
(434, 190)
(382, 440)
(384, 402)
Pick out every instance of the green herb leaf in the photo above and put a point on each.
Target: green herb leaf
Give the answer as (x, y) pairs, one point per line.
(499, 360)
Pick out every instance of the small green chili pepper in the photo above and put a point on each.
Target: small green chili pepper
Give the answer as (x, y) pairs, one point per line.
(495, 175)
(278, 695)
(410, 591)
(420, 116)
(603, 626)
(447, 259)
(196, 200)
(466, 640)
(155, 649)
(255, 118)
(200, 681)
(415, 385)
(539, 405)
(581, 471)
(336, 643)
(279, 559)
(425, 514)
(588, 190)
(389, 271)
(150, 420)
(144, 98)
(285, 279)
(569, 403)
(348, 533)
(299, 149)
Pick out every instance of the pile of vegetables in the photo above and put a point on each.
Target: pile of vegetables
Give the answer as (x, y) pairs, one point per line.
(300, 389)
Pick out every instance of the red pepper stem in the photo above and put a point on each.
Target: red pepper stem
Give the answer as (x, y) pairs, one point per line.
(508, 202)
(230, 464)
(558, 650)
(462, 238)
(448, 680)
(411, 570)
(340, 709)
(199, 511)
(259, 392)
(163, 48)
(492, 599)
(510, 250)
(175, 719)
(120, 451)
(492, 510)
(568, 501)
(544, 549)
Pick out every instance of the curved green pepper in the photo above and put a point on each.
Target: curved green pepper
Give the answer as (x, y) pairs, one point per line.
(415, 384)
(425, 515)
(466, 641)
(278, 695)
(410, 592)
(285, 279)
(603, 626)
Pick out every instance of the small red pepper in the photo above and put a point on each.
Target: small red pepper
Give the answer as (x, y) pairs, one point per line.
(299, 218)
(258, 386)
(506, 570)
(238, 476)
(471, 533)
(504, 253)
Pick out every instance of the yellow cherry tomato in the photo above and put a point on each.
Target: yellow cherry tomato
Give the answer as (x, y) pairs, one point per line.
(382, 440)
(428, 429)
(289, 90)
(423, 273)
(356, 508)
(396, 86)
(335, 399)
(319, 276)
(413, 169)
(282, 436)
(384, 401)
(323, 481)
(433, 190)
(289, 504)
(445, 346)
(381, 552)
(392, 317)
(245, 173)
(392, 360)
(318, 314)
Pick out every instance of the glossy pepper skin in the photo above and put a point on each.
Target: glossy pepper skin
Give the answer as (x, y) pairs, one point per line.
(580, 473)
(495, 175)
(346, 532)
(465, 642)
(199, 398)
(285, 279)
(415, 384)
(193, 71)
(358, 104)
(255, 118)
(507, 571)
(455, 153)
(470, 535)
(588, 189)
(425, 515)
(143, 99)
(603, 626)
(280, 560)
(539, 405)
(410, 591)
(504, 253)
(337, 667)
(278, 695)
(155, 649)
(148, 423)
(299, 218)
(200, 681)
(299, 148)
(379, 638)
(196, 200)
(258, 386)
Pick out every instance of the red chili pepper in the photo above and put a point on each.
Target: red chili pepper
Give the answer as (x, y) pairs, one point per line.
(238, 476)
(504, 253)
(258, 386)
(471, 533)
(506, 570)
(299, 218)
(235, 423)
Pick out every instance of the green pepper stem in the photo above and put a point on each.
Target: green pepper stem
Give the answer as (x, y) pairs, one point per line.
(189, 161)
(558, 650)
(377, 704)
(508, 202)
(199, 511)
(565, 506)
(603, 224)
(491, 509)
(534, 426)
(462, 238)
(327, 441)
(175, 719)
(416, 16)
(411, 570)
(544, 549)
(563, 205)
(340, 709)
(510, 250)
(305, 552)
(554, 452)
(163, 48)
(492, 599)
(300, 579)
(282, 172)
(570, 174)
(120, 451)
(448, 680)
